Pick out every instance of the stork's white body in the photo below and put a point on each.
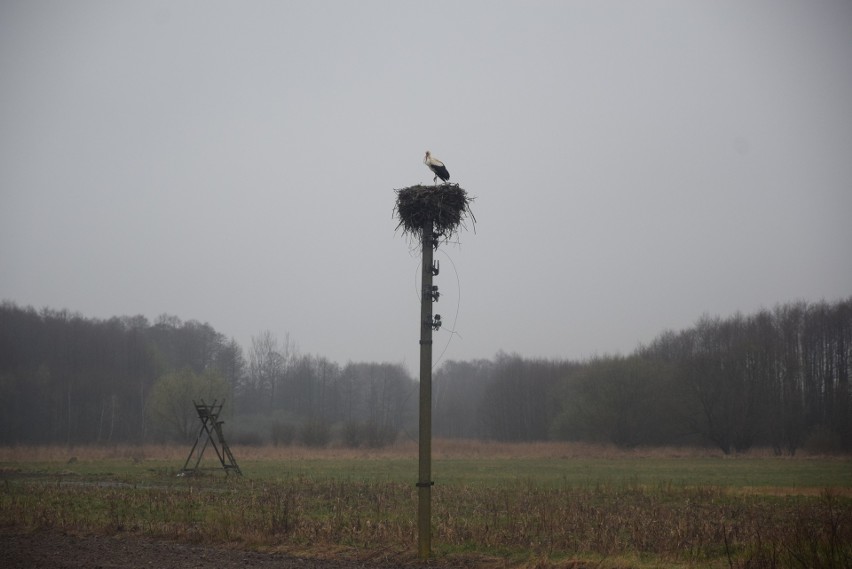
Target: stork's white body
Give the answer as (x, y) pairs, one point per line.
(437, 168)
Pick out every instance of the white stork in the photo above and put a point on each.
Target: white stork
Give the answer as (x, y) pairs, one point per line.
(437, 167)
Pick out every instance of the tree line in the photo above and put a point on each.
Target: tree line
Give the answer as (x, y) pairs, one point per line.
(776, 378)
(69, 379)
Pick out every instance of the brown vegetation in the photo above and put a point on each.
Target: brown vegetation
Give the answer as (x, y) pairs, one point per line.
(441, 449)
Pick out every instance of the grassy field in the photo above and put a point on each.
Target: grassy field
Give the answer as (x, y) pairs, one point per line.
(542, 504)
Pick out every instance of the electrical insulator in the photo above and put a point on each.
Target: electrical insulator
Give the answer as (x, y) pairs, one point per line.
(436, 268)
(435, 293)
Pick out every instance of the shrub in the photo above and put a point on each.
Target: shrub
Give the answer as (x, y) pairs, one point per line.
(368, 434)
(352, 434)
(315, 434)
(283, 434)
(823, 440)
(248, 438)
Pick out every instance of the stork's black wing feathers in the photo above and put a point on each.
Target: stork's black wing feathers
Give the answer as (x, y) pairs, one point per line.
(440, 171)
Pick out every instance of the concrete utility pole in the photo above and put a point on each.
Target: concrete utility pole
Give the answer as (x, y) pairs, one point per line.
(429, 212)
(424, 481)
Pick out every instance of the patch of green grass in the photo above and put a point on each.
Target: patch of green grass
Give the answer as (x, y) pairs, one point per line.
(737, 473)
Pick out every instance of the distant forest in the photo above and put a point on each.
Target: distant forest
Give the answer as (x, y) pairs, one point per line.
(778, 378)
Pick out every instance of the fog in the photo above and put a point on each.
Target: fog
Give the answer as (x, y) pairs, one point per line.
(635, 165)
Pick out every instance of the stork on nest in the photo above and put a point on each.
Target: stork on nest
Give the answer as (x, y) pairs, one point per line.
(447, 205)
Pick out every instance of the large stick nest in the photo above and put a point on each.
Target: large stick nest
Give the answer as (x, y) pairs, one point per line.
(448, 205)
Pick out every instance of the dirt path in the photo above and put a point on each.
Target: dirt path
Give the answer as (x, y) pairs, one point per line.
(55, 550)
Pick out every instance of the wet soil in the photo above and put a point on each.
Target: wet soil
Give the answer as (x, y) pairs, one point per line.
(57, 550)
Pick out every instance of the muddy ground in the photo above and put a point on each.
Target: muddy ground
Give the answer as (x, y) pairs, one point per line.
(51, 549)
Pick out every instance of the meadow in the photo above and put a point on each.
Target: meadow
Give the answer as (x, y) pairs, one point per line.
(542, 504)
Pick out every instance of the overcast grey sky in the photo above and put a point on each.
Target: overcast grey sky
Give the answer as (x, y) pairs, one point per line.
(635, 165)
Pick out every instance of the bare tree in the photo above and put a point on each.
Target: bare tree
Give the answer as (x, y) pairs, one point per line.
(268, 361)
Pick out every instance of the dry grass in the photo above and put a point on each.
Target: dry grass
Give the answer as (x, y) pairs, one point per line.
(672, 526)
(62, 453)
(459, 448)
(441, 449)
(309, 508)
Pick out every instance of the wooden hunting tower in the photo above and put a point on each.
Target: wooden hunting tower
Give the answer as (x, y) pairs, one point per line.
(211, 433)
